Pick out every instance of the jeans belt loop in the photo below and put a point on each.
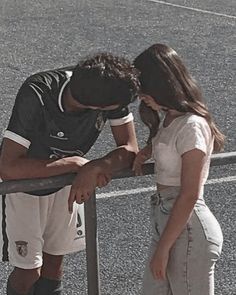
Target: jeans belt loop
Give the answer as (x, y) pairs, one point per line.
(159, 198)
(156, 199)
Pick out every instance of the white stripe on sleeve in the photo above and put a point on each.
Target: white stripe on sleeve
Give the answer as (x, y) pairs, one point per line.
(17, 138)
(121, 121)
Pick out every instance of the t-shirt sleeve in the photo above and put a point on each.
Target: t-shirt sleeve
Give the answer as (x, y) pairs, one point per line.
(120, 116)
(25, 115)
(194, 135)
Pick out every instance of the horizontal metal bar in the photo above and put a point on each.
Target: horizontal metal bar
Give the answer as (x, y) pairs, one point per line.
(29, 185)
(35, 184)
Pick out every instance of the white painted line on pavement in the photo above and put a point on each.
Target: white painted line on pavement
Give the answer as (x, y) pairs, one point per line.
(152, 188)
(193, 9)
(126, 192)
(220, 180)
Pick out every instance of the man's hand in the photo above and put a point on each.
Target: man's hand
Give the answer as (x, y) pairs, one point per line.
(87, 179)
(78, 161)
(103, 180)
(159, 263)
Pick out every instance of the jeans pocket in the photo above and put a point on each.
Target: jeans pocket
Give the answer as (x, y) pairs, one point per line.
(166, 205)
(210, 225)
(154, 200)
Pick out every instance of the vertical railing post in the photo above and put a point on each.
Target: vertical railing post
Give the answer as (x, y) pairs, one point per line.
(92, 254)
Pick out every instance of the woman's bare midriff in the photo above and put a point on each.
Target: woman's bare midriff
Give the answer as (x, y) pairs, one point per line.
(161, 187)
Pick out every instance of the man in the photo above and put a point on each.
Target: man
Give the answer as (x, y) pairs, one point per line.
(56, 119)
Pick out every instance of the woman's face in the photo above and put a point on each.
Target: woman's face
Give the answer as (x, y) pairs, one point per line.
(150, 102)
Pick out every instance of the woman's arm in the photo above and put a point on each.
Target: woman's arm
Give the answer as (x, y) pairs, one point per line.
(142, 156)
(192, 164)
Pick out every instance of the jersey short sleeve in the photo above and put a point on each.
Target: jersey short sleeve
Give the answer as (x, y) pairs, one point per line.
(120, 116)
(25, 116)
(194, 135)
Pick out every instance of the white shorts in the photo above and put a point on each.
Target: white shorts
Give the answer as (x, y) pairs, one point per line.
(41, 224)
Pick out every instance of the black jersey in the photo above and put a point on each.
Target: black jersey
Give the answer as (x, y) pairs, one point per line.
(39, 122)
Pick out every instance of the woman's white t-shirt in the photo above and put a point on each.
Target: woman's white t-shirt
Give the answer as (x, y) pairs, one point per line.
(185, 133)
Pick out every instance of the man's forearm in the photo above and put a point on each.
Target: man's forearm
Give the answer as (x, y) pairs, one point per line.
(34, 168)
(120, 158)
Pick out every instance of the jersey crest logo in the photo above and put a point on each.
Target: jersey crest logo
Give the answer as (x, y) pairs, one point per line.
(100, 122)
(21, 247)
(58, 154)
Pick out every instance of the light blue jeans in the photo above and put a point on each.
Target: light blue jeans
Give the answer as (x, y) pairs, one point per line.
(190, 269)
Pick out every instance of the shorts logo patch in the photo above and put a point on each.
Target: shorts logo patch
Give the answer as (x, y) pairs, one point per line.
(21, 247)
(79, 224)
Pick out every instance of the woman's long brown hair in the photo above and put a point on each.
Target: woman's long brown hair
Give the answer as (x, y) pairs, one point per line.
(165, 78)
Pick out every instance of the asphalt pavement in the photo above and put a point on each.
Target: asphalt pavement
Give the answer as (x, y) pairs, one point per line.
(39, 35)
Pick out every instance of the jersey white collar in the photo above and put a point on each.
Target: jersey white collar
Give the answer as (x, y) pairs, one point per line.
(68, 74)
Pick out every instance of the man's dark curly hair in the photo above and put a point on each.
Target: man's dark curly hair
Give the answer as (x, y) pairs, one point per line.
(104, 80)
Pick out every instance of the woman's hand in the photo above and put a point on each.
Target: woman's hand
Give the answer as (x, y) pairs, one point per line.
(159, 263)
(141, 157)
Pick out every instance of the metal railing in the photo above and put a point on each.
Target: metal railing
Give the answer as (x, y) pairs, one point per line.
(28, 185)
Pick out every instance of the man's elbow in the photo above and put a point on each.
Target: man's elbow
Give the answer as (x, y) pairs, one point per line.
(133, 148)
(5, 172)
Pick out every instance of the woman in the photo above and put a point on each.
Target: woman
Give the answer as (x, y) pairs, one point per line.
(187, 239)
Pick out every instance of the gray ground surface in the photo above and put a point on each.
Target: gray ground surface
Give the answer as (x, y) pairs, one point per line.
(37, 35)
